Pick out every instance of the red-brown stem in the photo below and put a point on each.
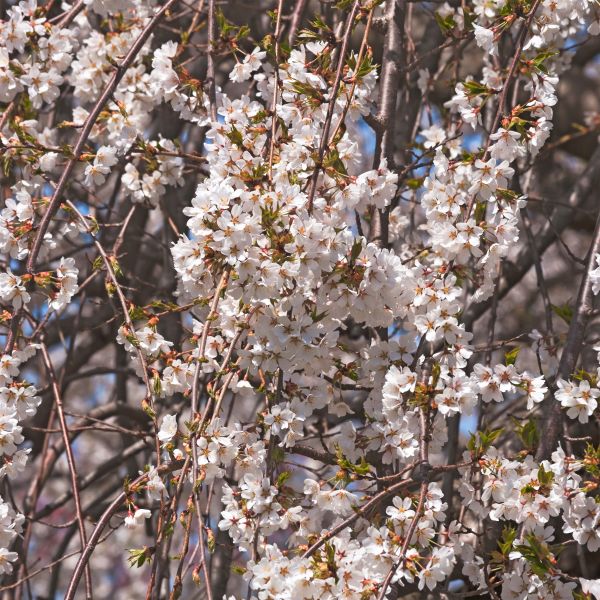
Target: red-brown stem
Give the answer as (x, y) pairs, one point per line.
(70, 461)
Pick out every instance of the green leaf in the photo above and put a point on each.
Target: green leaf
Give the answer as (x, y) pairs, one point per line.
(364, 68)
(505, 543)
(283, 477)
(475, 88)
(332, 160)
(414, 183)
(211, 540)
(564, 311)
(362, 468)
(541, 58)
(136, 313)
(480, 210)
(235, 137)
(528, 434)
(537, 554)
(97, 264)
(446, 24)
(510, 357)
(116, 267)
(355, 252)
(545, 477)
(156, 384)
(480, 441)
(138, 557)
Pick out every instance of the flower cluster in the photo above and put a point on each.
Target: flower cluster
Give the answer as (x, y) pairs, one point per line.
(18, 401)
(295, 248)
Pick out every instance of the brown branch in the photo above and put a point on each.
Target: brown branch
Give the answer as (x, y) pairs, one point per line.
(296, 20)
(553, 422)
(92, 477)
(70, 461)
(103, 522)
(210, 72)
(388, 97)
(561, 218)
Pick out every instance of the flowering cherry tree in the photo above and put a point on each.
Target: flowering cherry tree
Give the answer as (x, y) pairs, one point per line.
(298, 299)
